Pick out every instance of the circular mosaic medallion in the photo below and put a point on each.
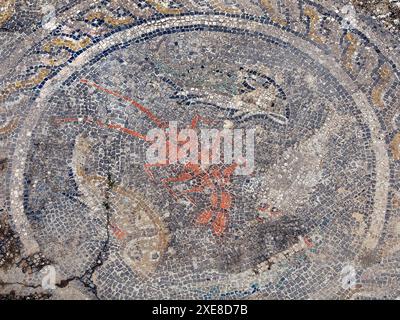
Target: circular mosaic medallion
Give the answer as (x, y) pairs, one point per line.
(305, 209)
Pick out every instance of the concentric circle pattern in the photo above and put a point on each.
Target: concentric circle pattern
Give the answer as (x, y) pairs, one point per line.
(84, 215)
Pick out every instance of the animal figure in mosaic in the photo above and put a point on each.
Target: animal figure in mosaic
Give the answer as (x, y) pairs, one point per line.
(141, 232)
(259, 96)
(214, 177)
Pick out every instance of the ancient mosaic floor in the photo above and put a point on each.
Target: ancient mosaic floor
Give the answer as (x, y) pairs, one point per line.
(82, 218)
